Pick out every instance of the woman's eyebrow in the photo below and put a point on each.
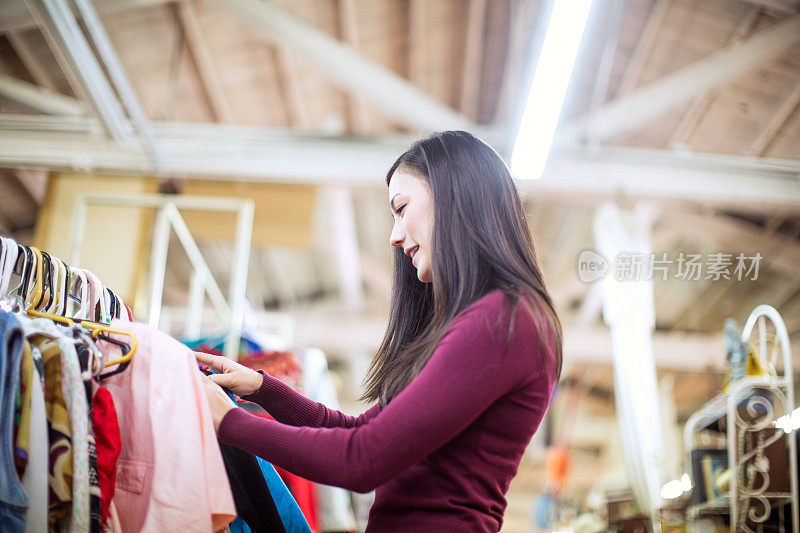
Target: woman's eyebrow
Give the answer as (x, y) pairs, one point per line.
(391, 202)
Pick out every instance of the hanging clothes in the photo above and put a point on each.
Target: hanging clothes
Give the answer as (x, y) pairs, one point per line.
(254, 504)
(291, 516)
(170, 474)
(109, 445)
(65, 399)
(13, 500)
(35, 479)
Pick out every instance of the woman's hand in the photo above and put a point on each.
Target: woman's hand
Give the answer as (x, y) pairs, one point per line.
(237, 378)
(219, 402)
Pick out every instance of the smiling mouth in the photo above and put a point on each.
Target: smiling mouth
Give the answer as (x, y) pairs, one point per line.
(413, 253)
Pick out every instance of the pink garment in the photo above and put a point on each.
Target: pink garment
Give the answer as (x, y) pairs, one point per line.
(170, 474)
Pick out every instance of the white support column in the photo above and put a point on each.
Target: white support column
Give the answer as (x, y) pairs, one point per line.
(629, 312)
(238, 286)
(197, 293)
(348, 257)
(158, 266)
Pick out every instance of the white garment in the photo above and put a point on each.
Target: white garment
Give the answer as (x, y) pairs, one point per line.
(35, 478)
(333, 503)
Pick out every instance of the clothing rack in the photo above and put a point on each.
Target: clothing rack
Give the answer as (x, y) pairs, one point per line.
(46, 286)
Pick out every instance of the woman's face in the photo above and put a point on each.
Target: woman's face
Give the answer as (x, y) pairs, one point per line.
(411, 203)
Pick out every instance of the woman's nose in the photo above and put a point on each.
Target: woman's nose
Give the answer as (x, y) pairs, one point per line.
(397, 237)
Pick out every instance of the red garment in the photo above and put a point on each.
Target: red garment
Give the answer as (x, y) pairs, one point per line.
(108, 443)
(306, 495)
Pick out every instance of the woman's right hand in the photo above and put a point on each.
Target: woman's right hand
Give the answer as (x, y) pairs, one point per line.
(237, 378)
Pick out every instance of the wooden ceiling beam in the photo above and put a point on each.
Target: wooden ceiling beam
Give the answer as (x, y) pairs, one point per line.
(34, 182)
(629, 112)
(644, 47)
(15, 16)
(776, 122)
(350, 71)
(742, 237)
(699, 105)
(294, 103)
(348, 30)
(473, 55)
(40, 76)
(204, 62)
(785, 7)
(39, 98)
(417, 44)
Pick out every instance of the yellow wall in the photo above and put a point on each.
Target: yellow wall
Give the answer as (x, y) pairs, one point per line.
(114, 242)
(283, 213)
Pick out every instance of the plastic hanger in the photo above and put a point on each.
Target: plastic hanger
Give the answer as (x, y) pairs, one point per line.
(34, 294)
(66, 284)
(56, 288)
(23, 269)
(78, 302)
(47, 283)
(10, 253)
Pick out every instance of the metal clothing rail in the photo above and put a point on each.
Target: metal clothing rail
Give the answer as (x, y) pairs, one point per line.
(168, 218)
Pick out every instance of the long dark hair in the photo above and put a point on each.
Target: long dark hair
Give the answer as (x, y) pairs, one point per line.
(481, 242)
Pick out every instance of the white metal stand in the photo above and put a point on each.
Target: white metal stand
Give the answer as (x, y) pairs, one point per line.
(751, 405)
(203, 282)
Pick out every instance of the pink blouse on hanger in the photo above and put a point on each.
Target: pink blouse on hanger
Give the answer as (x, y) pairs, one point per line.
(170, 474)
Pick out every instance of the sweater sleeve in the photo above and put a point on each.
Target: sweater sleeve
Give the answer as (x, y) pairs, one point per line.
(288, 406)
(468, 371)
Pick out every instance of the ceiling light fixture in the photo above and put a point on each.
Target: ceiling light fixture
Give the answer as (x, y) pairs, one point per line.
(549, 87)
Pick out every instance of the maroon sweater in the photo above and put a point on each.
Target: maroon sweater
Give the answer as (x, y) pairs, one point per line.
(442, 453)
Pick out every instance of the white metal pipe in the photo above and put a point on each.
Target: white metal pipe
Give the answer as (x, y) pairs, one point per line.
(158, 265)
(118, 77)
(238, 285)
(70, 46)
(196, 259)
(197, 292)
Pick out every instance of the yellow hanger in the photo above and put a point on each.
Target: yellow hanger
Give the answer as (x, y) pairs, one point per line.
(34, 297)
(97, 329)
(55, 318)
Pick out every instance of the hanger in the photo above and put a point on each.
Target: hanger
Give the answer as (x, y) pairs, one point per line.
(55, 286)
(34, 293)
(8, 259)
(47, 283)
(66, 284)
(96, 303)
(97, 329)
(78, 301)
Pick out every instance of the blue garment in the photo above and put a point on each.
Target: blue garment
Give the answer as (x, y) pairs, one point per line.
(290, 513)
(13, 500)
(239, 526)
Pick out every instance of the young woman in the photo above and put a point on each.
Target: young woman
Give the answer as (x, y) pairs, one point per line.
(465, 370)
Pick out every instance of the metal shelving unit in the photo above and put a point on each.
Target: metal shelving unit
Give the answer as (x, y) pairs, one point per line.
(747, 416)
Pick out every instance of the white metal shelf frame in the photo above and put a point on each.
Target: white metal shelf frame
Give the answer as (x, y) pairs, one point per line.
(168, 218)
(760, 407)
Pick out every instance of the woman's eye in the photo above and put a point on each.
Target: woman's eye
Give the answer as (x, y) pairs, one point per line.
(401, 209)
